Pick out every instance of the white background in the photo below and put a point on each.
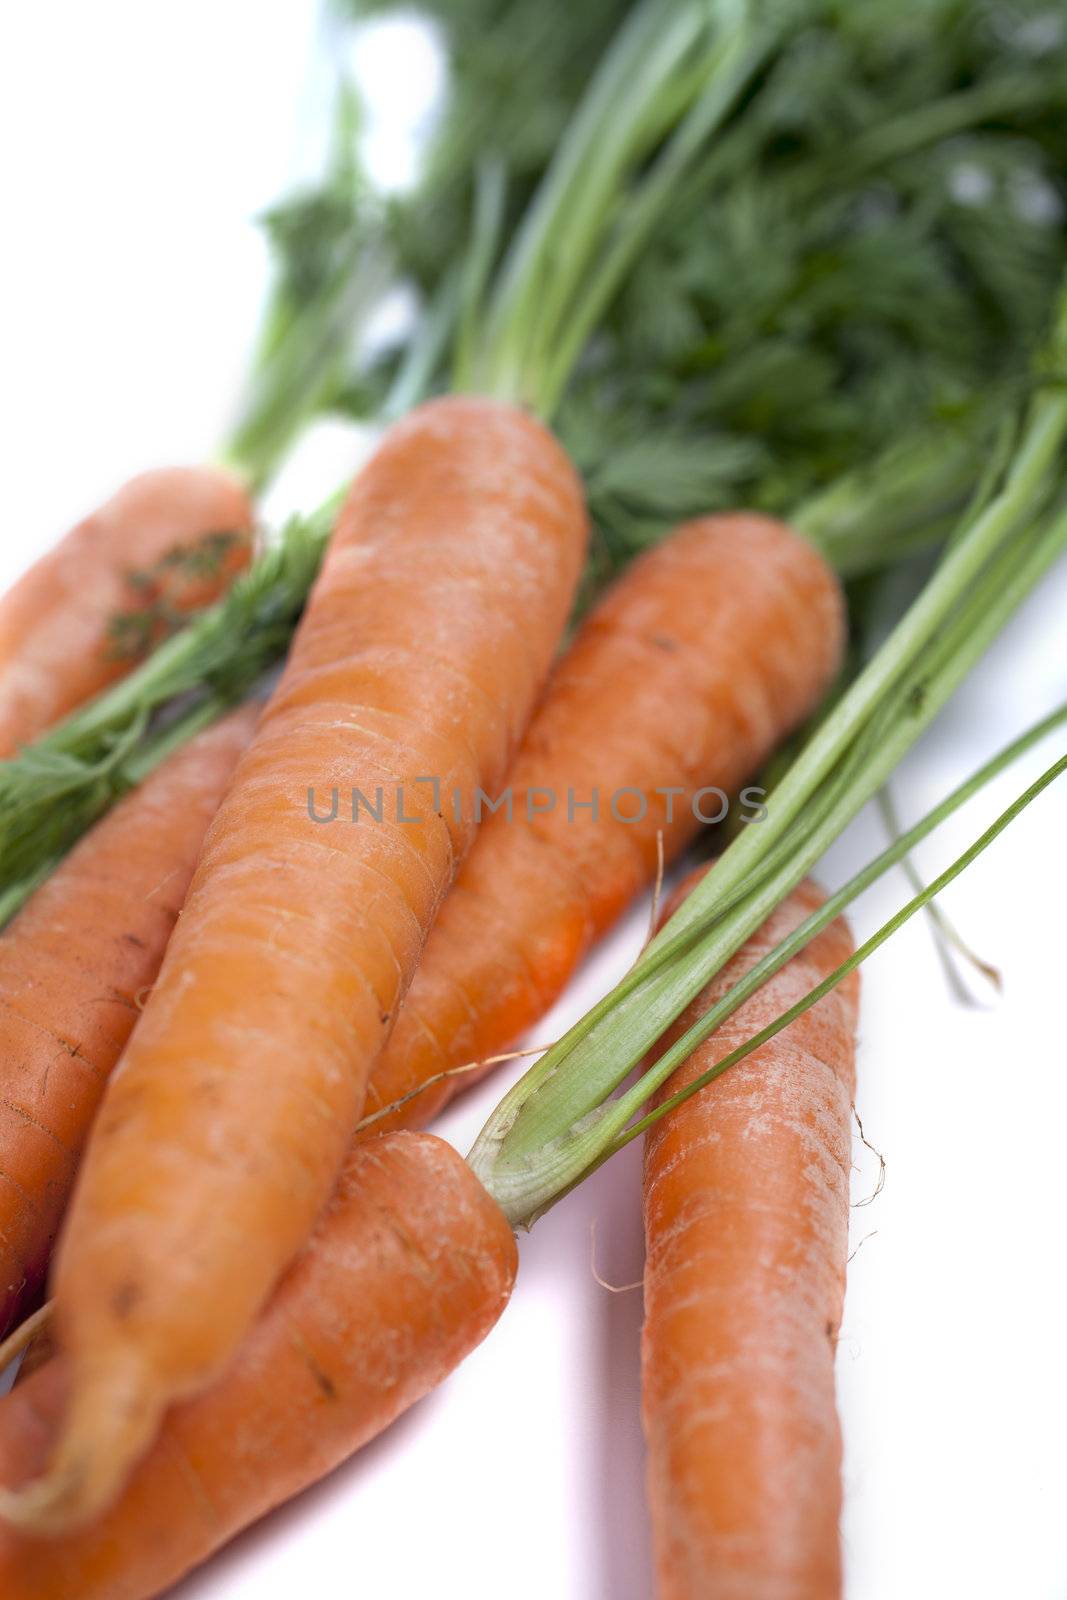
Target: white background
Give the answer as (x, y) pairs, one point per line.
(139, 139)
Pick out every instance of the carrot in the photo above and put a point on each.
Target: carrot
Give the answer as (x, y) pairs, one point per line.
(74, 965)
(411, 1266)
(169, 540)
(746, 1223)
(693, 667)
(406, 1273)
(129, 1566)
(425, 641)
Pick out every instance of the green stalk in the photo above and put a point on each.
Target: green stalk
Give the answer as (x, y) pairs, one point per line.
(952, 949)
(928, 125)
(422, 356)
(489, 197)
(735, 61)
(611, 1127)
(923, 899)
(906, 500)
(945, 611)
(14, 896)
(538, 1141)
(307, 366)
(1028, 483)
(580, 181)
(57, 787)
(667, 58)
(307, 338)
(115, 777)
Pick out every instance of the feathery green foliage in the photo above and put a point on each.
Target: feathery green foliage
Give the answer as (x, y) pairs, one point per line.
(516, 72)
(795, 310)
(57, 787)
(816, 260)
(873, 237)
(331, 266)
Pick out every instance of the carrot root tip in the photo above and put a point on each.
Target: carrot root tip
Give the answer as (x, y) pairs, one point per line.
(99, 1442)
(47, 1505)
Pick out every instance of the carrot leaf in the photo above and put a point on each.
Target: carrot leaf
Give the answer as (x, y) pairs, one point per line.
(57, 787)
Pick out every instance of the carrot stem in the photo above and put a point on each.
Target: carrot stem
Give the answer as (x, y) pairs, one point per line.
(605, 1045)
(133, 761)
(952, 948)
(671, 67)
(916, 904)
(306, 340)
(544, 1133)
(736, 59)
(20, 1337)
(614, 1128)
(57, 787)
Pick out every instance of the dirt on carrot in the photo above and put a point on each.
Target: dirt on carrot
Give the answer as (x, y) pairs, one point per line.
(74, 966)
(697, 662)
(168, 541)
(746, 1221)
(407, 1272)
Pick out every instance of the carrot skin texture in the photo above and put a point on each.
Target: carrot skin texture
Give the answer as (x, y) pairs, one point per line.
(221, 1135)
(73, 967)
(406, 1274)
(698, 661)
(746, 1223)
(55, 645)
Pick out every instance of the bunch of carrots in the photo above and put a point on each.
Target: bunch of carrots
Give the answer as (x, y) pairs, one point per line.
(229, 1251)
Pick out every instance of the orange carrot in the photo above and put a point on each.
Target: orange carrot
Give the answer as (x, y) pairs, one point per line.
(425, 641)
(405, 1275)
(694, 666)
(148, 552)
(74, 966)
(746, 1222)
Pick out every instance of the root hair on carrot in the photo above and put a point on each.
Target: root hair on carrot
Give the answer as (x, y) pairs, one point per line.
(17, 1341)
(880, 1183)
(449, 1072)
(657, 893)
(853, 1254)
(612, 1288)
